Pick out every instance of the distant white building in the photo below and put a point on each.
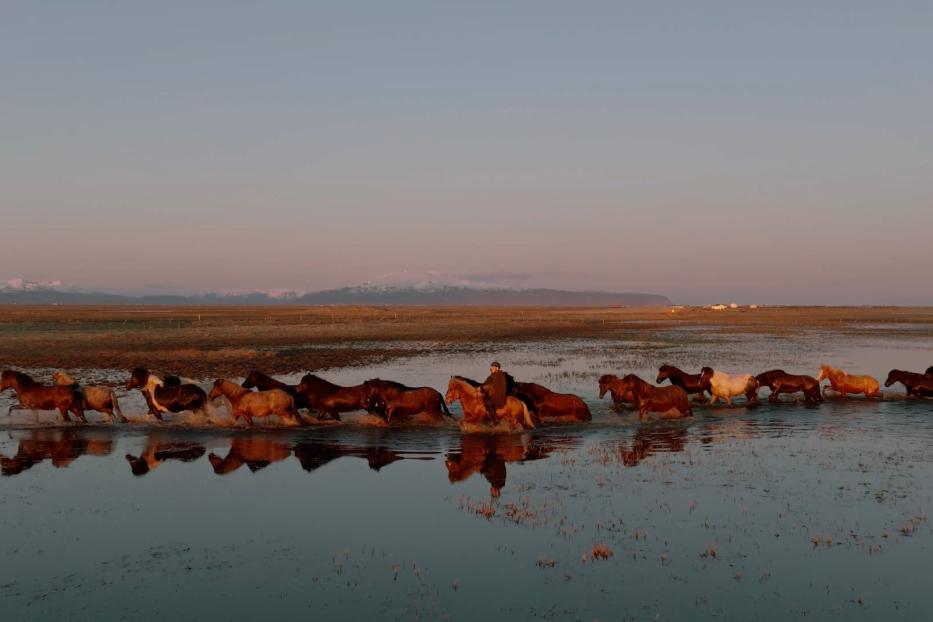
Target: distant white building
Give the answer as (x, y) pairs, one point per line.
(752, 306)
(733, 306)
(719, 307)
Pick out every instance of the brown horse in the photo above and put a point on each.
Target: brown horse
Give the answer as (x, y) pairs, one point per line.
(262, 382)
(332, 399)
(679, 378)
(164, 397)
(514, 415)
(649, 398)
(249, 404)
(649, 440)
(160, 449)
(397, 400)
(917, 385)
(488, 455)
(844, 383)
(60, 446)
(611, 383)
(780, 381)
(929, 371)
(254, 451)
(100, 398)
(565, 407)
(33, 395)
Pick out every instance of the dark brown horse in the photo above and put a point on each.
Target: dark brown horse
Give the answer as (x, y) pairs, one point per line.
(649, 398)
(928, 372)
(312, 455)
(780, 381)
(332, 399)
(917, 385)
(169, 396)
(679, 378)
(550, 405)
(610, 383)
(259, 380)
(34, 395)
(397, 400)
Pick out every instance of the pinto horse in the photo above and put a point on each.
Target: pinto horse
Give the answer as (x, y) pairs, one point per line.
(259, 380)
(610, 383)
(169, 396)
(548, 404)
(723, 386)
(514, 414)
(100, 398)
(331, 399)
(649, 398)
(679, 378)
(397, 400)
(917, 385)
(780, 381)
(844, 383)
(249, 404)
(34, 395)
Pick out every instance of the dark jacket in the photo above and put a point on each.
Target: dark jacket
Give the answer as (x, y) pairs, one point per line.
(497, 387)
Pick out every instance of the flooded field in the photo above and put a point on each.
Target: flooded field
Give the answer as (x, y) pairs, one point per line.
(779, 511)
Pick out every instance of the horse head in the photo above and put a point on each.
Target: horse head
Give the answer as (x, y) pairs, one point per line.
(893, 376)
(706, 375)
(604, 381)
(138, 378)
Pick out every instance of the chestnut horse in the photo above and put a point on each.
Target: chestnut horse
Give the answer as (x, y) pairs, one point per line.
(256, 452)
(258, 380)
(649, 398)
(679, 378)
(331, 399)
(917, 385)
(249, 404)
(169, 396)
(610, 383)
(397, 400)
(548, 404)
(780, 381)
(488, 455)
(100, 398)
(929, 371)
(723, 386)
(34, 395)
(844, 383)
(514, 414)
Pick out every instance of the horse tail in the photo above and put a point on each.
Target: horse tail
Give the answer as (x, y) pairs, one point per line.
(444, 407)
(526, 415)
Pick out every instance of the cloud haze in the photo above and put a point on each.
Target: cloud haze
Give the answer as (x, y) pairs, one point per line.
(705, 151)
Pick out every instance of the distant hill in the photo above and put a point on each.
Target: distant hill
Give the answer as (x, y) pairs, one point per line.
(362, 295)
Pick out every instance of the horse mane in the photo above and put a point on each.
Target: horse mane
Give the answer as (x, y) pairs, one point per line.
(468, 381)
(389, 383)
(62, 378)
(21, 377)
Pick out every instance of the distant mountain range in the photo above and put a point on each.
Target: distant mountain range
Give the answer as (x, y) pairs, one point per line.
(35, 294)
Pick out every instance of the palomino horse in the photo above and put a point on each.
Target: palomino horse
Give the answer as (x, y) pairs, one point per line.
(397, 400)
(723, 386)
(172, 396)
(256, 452)
(249, 404)
(649, 398)
(844, 383)
(514, 414)
(33, 395)
(258, 380)
(565, 407)
(331, 399)
(99, 398)
(780, 381)
(159, 449)
(612, 384)
(917, 385)
(679, 378)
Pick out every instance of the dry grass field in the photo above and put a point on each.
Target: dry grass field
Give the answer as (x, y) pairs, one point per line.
(206, 341)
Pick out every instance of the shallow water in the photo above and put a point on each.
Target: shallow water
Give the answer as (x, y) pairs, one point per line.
(778, 511)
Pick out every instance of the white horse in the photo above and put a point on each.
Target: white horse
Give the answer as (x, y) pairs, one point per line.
(726, 386)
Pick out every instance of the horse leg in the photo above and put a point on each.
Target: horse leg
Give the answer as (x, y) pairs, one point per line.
(775, 392)
(728, 399)
(712, 399)
(64, 412)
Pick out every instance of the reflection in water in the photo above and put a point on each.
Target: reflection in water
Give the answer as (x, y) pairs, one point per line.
(650, 439)
(61, 446)
(256, 452)
(161, 447)
(488, 454)
(313, 454)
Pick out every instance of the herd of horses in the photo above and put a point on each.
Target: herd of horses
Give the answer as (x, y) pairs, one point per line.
(527, 406)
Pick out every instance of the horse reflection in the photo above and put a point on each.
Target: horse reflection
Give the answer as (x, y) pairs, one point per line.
(649, 440)
(256, 452)
(61, 447)
(313, 455)
(487, 454)
(161, 447)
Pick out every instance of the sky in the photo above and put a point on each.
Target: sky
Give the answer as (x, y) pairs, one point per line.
(775, 152)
